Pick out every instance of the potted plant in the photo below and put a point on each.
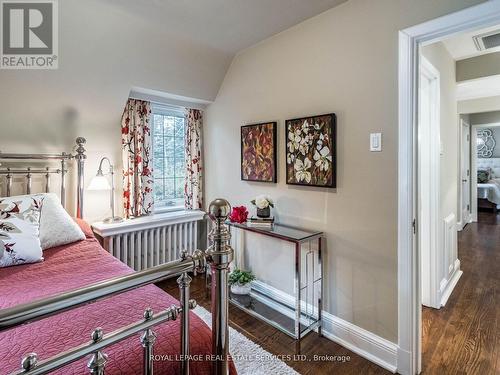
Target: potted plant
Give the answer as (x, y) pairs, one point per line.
(240, 281)
(263, 204)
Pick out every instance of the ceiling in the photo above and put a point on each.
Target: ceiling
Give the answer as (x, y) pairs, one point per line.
(462, 46)
(227, 26)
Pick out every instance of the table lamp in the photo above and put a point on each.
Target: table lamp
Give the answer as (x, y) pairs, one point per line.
(100, 182)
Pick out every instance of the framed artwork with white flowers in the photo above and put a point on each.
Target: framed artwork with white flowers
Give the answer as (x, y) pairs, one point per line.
(311, 147)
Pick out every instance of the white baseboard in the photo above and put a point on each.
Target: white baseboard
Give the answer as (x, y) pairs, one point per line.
(362, 342)
(448, 288)
(461, 225)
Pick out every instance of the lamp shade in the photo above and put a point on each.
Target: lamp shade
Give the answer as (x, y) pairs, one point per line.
(99, 182)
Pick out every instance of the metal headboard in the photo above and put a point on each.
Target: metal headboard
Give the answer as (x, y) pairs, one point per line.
(64, 158)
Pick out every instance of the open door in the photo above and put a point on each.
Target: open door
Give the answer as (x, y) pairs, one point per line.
(428, 181)
(465, 175)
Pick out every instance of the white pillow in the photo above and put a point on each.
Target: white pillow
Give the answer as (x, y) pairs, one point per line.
(19, 230)
(56, 226)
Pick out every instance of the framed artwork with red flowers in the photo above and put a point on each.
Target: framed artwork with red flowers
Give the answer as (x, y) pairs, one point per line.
(258, 152)
(311, 147)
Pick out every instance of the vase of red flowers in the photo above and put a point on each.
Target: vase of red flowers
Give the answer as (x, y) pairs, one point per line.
(239, 215)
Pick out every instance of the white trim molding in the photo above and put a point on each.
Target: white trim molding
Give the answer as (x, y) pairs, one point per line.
(360, 341)
(448, 287)
(165, 98)
(409, 307)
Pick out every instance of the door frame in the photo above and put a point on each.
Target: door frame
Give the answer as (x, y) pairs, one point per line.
(462, 223)
(409, 293)
(473, 167)
(429, 248)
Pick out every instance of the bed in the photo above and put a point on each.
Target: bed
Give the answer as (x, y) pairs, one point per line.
(52, 330)
(488, 193)
(47, 337)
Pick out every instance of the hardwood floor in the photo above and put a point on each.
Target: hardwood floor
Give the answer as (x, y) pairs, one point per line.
(464, 336)
(461, 338)
(276, 342)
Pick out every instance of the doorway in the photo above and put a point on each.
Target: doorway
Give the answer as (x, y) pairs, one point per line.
(409, 262)
(485, 164)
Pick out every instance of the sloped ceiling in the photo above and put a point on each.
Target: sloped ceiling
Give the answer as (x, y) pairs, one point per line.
(224, 25)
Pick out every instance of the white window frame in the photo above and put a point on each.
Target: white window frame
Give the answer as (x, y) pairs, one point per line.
(175, 111)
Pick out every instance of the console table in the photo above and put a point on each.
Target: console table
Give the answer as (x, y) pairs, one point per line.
(302, 316)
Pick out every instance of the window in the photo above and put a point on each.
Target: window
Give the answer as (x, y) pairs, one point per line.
(168, 157)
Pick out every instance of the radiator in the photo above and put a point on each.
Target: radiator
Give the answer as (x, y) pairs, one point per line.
(143, 243)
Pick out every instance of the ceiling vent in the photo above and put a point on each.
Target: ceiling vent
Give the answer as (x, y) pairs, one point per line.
(487, 41)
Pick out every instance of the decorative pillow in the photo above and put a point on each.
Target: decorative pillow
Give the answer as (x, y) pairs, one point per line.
(483, 175)
(56, 226)
(19, 230)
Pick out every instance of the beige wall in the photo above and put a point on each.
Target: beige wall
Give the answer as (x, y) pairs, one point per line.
(478, 67)
(103, 52)
(343, 61)
(440, 58)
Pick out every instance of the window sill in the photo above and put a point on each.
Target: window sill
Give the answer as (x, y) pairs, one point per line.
(148, 222)
(161, 210)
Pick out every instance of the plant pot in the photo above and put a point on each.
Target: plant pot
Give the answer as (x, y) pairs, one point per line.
(264, 212)
(241, 289)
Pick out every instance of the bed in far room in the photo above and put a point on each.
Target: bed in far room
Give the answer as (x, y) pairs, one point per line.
(488, 183)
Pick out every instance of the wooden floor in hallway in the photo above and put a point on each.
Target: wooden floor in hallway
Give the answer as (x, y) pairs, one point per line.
(464, 336)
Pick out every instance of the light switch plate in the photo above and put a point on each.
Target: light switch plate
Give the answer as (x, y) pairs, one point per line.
(376, 142)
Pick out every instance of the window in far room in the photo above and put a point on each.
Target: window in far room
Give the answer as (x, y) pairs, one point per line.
(168, 157)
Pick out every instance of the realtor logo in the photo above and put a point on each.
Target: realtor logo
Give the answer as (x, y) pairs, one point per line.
(29, 34)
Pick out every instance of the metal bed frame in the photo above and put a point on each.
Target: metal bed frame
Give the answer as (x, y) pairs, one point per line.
(63, 157)
(219, 255)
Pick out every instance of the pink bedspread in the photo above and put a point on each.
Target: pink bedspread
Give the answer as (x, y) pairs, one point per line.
(72, 266)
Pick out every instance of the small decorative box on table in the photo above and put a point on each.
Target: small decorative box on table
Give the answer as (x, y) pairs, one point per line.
(302, 315)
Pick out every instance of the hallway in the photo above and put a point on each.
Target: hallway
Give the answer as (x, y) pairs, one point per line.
(464, 336)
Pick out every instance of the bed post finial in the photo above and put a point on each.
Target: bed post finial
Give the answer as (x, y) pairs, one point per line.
(80, 158)
(80, 150)
(29, 362)
(98, 361)
(148, 339)
(219, 256)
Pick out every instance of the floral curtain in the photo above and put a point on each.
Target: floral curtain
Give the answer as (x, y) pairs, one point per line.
(137, 159)
(193, 189)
